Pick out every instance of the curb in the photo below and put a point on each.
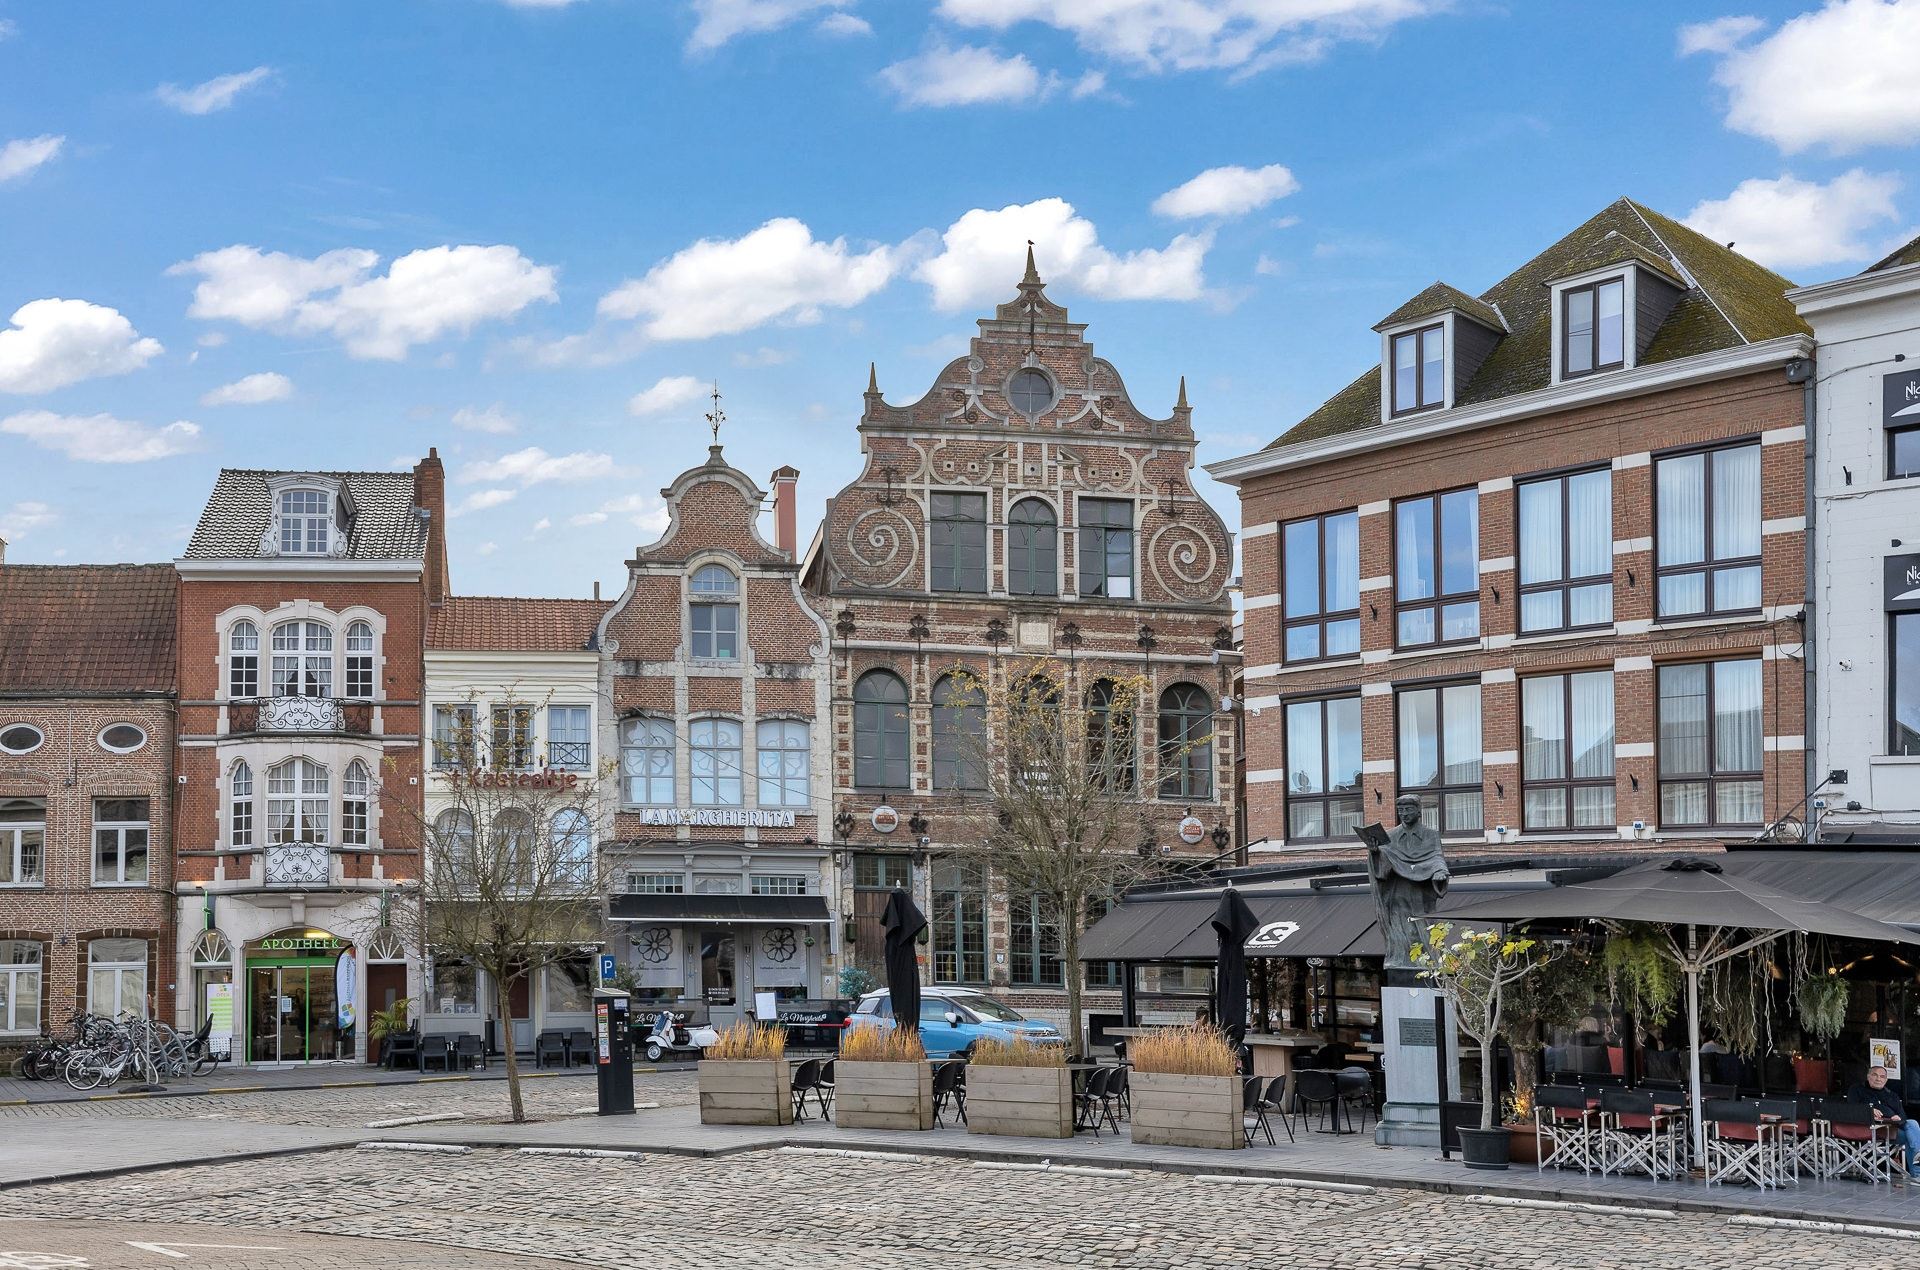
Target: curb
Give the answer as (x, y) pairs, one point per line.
(305, 1087)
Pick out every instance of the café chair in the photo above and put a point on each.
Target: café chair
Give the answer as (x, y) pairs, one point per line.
(1565, 1129)
(1854, 1144)
(1638, 1136)
(1740, 1144)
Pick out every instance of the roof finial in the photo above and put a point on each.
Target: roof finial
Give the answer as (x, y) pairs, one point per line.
(718, 417)
(873, 377)
(1182, 403)
(1033, 274)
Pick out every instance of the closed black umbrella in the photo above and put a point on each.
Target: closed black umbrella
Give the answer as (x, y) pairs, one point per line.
(903, 922)
(1233, 924)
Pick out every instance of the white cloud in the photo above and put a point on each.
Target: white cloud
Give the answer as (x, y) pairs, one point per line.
(1267, 267)
(965, 76)
(21, 519)
(763, 356)
(215, 94)
(8, 28)
(646, 512)
(483, 499)
(1789, 223)
(541, 526)
(253, 390)
(534, 466)
(1161, 35)
(723, 286)
(1720, 35)
(53, 343)
(1226, 191)
(423, 296)
(18, 158)
(493, 420)
(587, 518)
(1091, 84)
(102, 438)
(538, 4)
(212, 339)
(845, 24)
(983, 256)
(722, 20)
(486, 549)
(666, 394)
(1840, 77)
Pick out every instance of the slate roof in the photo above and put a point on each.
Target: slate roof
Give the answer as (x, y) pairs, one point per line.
(1731, 301)
(1907, 255)
(511, 624)
(87, 628)
(1437, 299)
(385, 526)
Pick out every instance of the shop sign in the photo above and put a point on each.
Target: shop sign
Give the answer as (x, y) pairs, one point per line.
(484, 778)
(220, 1019)
(884, 819)
(1903, 584)
(736, 818)
(1192, 830)
(1272, 935)
(303, 943)
(1900, 398)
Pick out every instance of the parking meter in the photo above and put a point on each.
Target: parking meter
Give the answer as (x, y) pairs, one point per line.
(613, 1051)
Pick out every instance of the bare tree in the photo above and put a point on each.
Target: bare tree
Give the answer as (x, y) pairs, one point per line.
(1059, 810)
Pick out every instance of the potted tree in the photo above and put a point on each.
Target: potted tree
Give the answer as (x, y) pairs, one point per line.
(384, 1023)
(1536, 1005)
(1019, 1089)
(1184, 1089)
(1474, 972)
(882, 1080)
(744, 1077)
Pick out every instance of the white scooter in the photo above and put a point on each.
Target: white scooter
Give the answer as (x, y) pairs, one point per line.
(670, 1036)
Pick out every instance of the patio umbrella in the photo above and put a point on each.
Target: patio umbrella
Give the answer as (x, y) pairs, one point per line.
(1736, 912)
(1233, 924)
(903, 922)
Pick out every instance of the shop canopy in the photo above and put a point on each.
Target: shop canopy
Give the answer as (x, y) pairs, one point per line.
(1180, 927)
(780, 910)
(1883, 885)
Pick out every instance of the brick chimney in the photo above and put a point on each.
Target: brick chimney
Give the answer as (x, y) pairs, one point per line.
(430, 497)
(785, 533)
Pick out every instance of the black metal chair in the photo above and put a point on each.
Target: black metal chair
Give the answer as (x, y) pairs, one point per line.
(949, 1089)
(1312, 1088)
(1636, 1135)
(434, 1049)
(1565, 1129)
(805, 1080)
(1853, 1143)
(1275, 1100)
(1253, 1109)
(1120, 1093)
(400, 1048)
(1120, 1052)
(1094, 1106)
(550, 1045)
(468, 1052)
(1355, 1085)
(579, 1046)
(1740, 1145)
(823, 1089)
(1244, 1057)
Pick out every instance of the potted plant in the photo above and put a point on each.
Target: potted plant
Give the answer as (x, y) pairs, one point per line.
(1019, 1089)
(384, 1023)
(882, 1080)
(1474, 972)
(744, 1077)
(1184, 1089)
(1533, 1007)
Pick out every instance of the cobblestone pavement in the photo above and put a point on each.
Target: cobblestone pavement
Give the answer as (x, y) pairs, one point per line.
(781, 1209)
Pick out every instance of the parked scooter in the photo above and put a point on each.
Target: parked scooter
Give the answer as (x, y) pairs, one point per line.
(670, 1035)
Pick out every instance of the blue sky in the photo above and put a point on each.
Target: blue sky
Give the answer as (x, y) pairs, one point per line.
(329, 236)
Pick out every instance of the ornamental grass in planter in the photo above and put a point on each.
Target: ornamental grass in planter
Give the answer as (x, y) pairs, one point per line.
(744, 1077)
(882, 1080)
(1018, 1089)
(1185, 1090)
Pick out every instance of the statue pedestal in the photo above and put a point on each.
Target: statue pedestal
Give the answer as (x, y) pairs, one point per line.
(1414, 1093)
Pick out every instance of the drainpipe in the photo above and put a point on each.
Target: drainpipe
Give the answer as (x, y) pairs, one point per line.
(1801, 370)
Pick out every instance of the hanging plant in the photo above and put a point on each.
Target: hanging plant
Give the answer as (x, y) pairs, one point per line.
(1821, 1001)
(1642, 977)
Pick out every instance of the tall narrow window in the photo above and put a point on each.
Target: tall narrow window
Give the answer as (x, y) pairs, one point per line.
(1906, 685)
(568, 747)
(572, 847)
(1711, 744)
(1323, 769)
(1033, 942)
(305, 525)
(1106, 548)
(1112, 717)
(1593, 327)
(117, 977)
(303, 659)
(959, 734)
(454, 838)
(714, 614)
(510, 847)
(1320, 587)
(20, 969)
(359, 660)
(957, 542)
(880, 731)
(297, 802)
(959, 921)
(1707, 516)
(785, 758)
(23, 841)
(512, 737)
(243, 661)
(714, 762)
(1566, 552)
(646, 761)
(1033, 549)
(454, 741)
(240, 806)
(1566, 751)
(356, 793)
(1419, 370)
(119, 841)
(1440, 755)
(1186, 743)
(1437, 568)
(1903, 450)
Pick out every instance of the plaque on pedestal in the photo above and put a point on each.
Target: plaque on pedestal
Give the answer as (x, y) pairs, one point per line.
(1411, 1034)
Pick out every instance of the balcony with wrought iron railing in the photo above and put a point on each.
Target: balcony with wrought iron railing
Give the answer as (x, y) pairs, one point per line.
(309, 715)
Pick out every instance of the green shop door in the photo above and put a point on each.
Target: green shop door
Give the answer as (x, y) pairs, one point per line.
(293, 1005)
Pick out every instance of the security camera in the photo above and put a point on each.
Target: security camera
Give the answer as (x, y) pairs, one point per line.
(925, 841)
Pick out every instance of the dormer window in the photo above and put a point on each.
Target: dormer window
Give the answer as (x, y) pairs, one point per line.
(306, 526)
(1593, 328)
(1419, 369)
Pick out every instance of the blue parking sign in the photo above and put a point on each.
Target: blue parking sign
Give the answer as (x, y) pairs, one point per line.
(607, 965)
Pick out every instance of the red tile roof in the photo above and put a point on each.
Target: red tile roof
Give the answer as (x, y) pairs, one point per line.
(510, 624)
(87, 628)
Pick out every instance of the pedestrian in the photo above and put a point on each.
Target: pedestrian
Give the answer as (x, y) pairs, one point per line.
(1889, 1110)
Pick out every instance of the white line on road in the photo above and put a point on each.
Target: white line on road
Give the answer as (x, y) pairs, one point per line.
(169, 1250)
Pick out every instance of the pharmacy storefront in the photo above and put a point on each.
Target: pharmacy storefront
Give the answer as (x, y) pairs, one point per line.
(299, 998)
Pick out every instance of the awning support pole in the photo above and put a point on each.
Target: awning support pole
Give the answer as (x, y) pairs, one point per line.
(1693, 1039)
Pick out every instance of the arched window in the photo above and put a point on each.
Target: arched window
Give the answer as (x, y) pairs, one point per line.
(880, 731)
(714, 762)
(297, 802)
(646, 761)
(1186, 743)
(302, 659)
(212, 949)
(240, 809)
(243, 661)
(714, 613)
(1110, 735)
(360, 661)
(1034, 742)
(959, 733)
(454, 837)
(305, 526)
(784, 759)
(572, 847)
(1033, 549)
(385, 946)
(510, 843)
(356, 791)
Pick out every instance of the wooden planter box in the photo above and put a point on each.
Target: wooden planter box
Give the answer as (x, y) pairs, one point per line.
(746, 1091)
(883, 1095)
(1020, 1102)
(1185, 1111)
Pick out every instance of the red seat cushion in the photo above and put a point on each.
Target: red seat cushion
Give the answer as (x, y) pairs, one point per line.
(1854, 1132)
(1737, 1132)
(1644, 1123)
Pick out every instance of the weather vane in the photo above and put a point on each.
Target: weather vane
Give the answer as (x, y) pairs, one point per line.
(718, 416)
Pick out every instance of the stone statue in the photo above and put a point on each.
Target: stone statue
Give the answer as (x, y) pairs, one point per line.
(1409, 875)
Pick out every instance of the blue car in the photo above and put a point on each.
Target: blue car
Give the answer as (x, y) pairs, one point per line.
(951, 1019)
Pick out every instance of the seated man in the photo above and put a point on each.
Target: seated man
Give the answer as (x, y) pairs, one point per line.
(1888, 1109)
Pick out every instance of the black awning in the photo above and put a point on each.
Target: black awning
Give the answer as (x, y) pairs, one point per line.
(1314, 924)
(1150, 929)
(797, 910)
(1883, 885)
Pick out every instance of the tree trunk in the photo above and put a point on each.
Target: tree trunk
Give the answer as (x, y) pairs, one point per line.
(503, 996)
(1489, 1068)
(1070, 970)
(1525, 1043)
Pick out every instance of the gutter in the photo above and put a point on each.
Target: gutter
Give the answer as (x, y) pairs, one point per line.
(1811, 627)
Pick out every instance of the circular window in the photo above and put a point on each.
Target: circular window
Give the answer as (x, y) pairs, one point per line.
(20, 738)
(122, 738)
(1030, 391)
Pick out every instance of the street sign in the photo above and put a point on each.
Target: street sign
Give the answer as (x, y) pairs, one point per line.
(607, 967)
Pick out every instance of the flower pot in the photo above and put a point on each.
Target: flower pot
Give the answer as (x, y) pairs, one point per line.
(1523, 1147)
(1020, 1102)
(1485, 1148)
(746, 1091)
(883, 1095)
(1186, 1111)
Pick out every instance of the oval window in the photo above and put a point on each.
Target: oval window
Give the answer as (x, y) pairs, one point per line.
(122, 738)
(20, 738)
(1030, 391)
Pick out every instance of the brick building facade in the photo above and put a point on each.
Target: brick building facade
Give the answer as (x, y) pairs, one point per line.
(86, 793)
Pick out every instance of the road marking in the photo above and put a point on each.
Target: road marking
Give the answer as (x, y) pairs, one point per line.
(169, 1250)
(18, 1260)
(403, 1120)
(415, 1146)
(1571, 1206)
(584, 1152)
(1297, 1183)
(1830, 1227)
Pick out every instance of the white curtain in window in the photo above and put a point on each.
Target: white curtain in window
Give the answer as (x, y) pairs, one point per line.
(1343, 744)
(1343, 562)
(1590, 518)
(1413, 549)
(1540, 545)
(1306, 757)
(1593, 724)
(1682, 509)
(1736, 502)
(1461, 708)
(1419, 739)
(1683, 720)
(1543, 728)
(1736, 716)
